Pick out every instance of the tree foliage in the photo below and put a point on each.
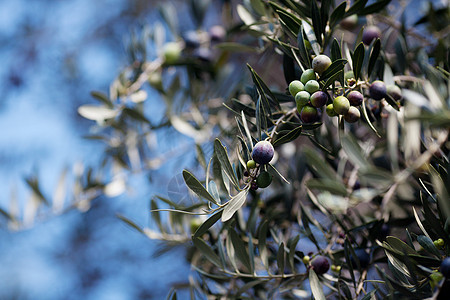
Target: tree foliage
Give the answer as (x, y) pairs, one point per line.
(371, 196)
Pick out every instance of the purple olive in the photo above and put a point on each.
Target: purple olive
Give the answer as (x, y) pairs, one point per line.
(371, 33)
(309, 114)
(394, 91)
(318, 99)
(263, 152)
(352, 115)
(320, 264)
(377, 90)
(355, 98)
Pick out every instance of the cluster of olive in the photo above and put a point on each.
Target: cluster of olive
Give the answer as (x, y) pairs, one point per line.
(262, 154)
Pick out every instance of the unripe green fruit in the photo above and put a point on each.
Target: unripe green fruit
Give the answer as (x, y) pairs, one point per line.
(350, 22)
(320, 63)
(309, 114)
(394, 91)
(308, 75)
(330, 110)
(440, 242)
(318, 99)
(312, 86)
(195, 224)
(264, 179)
(251, 164)
(306, 259)
(302, 99)
(171, 52)
(352, 115)
(341, 105)
(295, 87)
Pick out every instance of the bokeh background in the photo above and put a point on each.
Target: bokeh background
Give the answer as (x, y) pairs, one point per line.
(53, 53)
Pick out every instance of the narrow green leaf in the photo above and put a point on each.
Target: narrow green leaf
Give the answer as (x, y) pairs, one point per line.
(392, 102)
(332, 79)
(213, 190)
(234, 204)
(428, 245)
(357, 6)
(336, 49)
(130, 223)
(358, 59)
(318, 165)
(399, 246)
(311, 37)
(262, 249)
(366, 117)
(206, 250)
(333, 186)
(207, 224)
(263, 89)
(316, 21)
(374, 7)
(335, 67)
(292, 245)
(292, 23)
(304, 53)
(374, 56)
(316, 286)
(135, 114)
(198, 188)
(240, 249)
(354, 152)
(281, 258)
(338, 14)
(288, 137)
(221, 154)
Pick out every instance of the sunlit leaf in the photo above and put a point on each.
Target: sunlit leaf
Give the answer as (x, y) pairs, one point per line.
(316, 286)
(234, 204)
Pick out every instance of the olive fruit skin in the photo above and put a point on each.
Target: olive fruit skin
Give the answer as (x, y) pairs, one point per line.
(320, 264)
(355, 98)
(349, 22)
(302, 99)
(312, 86)
(251, 164)
(371, 33)
(264, 179)
(172, 52)
(445, 267)
(394, 91)
(295, 87)
(330, 110)
(309, 114)
(308, 75)
(377, 90)
(318, 99)
(320, 63)
(352, 115)
(263, 152)
(341, 105)
(363, 257)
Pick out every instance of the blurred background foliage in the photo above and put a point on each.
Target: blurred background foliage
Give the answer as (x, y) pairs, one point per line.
(197, 70)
